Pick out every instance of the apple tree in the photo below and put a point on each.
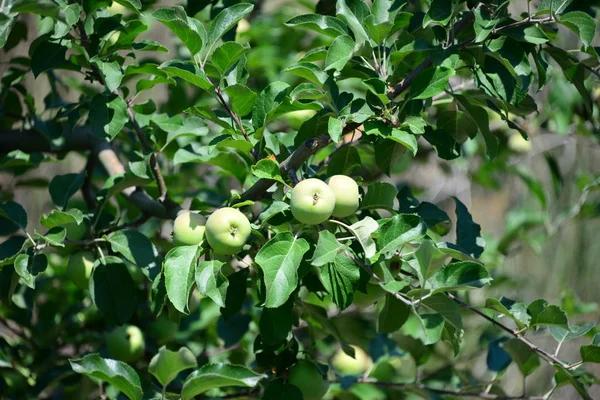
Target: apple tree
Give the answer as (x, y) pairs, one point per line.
(240, 226)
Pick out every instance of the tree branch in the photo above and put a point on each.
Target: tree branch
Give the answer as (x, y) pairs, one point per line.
(235, 119)
(292, 163)
(457, 393)
(83, 139)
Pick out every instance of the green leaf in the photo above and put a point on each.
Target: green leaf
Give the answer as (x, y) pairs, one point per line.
(179, 268)
(563, 375)
(379, 128)
(273, 209)
(430, 82)
(268, 169)
(211, 282)
(574, 331)
(395, 232)
(527, 34)
(387, 155)
(516, 311)
(385, 10)
(393, 315)
(339, 53)
(590, 353)
(10, 249)
(354, 13)
(227, 55)
(468, 232)
(327, 249)
(526, 360)
(432, 327)
(44, 8)
(189, 72)
(190, 31)
(116, 373)
(308, 71)
(60, 218)
(167, 364)
(340, 278)
(241, 98)
(54, 237)
(133, 5)
(544, 314)
(335, 128)
(481, 118)
(6, 24)
(459, 124)
(462, 275)
(439, 12)
(108, 115)
(279, 259)
(380, 195)
(48, 55)
(137, 249)
(378, 32)
(484, 24)
(14, 213)
(343, 161)
(275, 324)
(363, 231)
(63, 187)
(212, 376)
(553, 6)
(111, 71)
(29, 266)
(324, 24)
(268, 100)
(423, 257)
(225, 20)
(113, 291)
(582, 24)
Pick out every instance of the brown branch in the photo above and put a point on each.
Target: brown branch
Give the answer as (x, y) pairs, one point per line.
(87, 189)
(516, 334)
(292, 163)
(457, 393)
(83, 139)
(236, 119)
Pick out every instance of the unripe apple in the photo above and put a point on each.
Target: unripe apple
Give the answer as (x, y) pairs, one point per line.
(188, 229)
(346, 365)
(76, 231)
(374, 294)
(227, 230)
(126, 343)
(79, 268)
(312, 201)
(346, 195)
(306, 376)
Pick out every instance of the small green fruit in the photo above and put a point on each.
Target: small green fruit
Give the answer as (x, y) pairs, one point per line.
(346, 195)
(188, 229)
(227, 230)
(312, 201)
(126, 343)
(79, 268)
(76, 231)
(306, 377)
(346, 365)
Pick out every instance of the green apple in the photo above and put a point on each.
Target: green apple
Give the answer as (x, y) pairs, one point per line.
(76, 231)
(346, 365)
(312, 201)
(306, 376)
(188, 229)
(346, 195)
(163, 329)
(227, 230)
(126, 343)
(79, 268)
(374, 294)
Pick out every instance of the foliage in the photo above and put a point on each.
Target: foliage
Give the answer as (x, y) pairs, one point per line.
(256, 102)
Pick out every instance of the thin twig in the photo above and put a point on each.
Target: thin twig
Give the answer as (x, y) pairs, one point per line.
(457, 393)
(236, 119)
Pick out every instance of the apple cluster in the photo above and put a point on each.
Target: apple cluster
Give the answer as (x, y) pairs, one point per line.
(226, 230)
(314, 201)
